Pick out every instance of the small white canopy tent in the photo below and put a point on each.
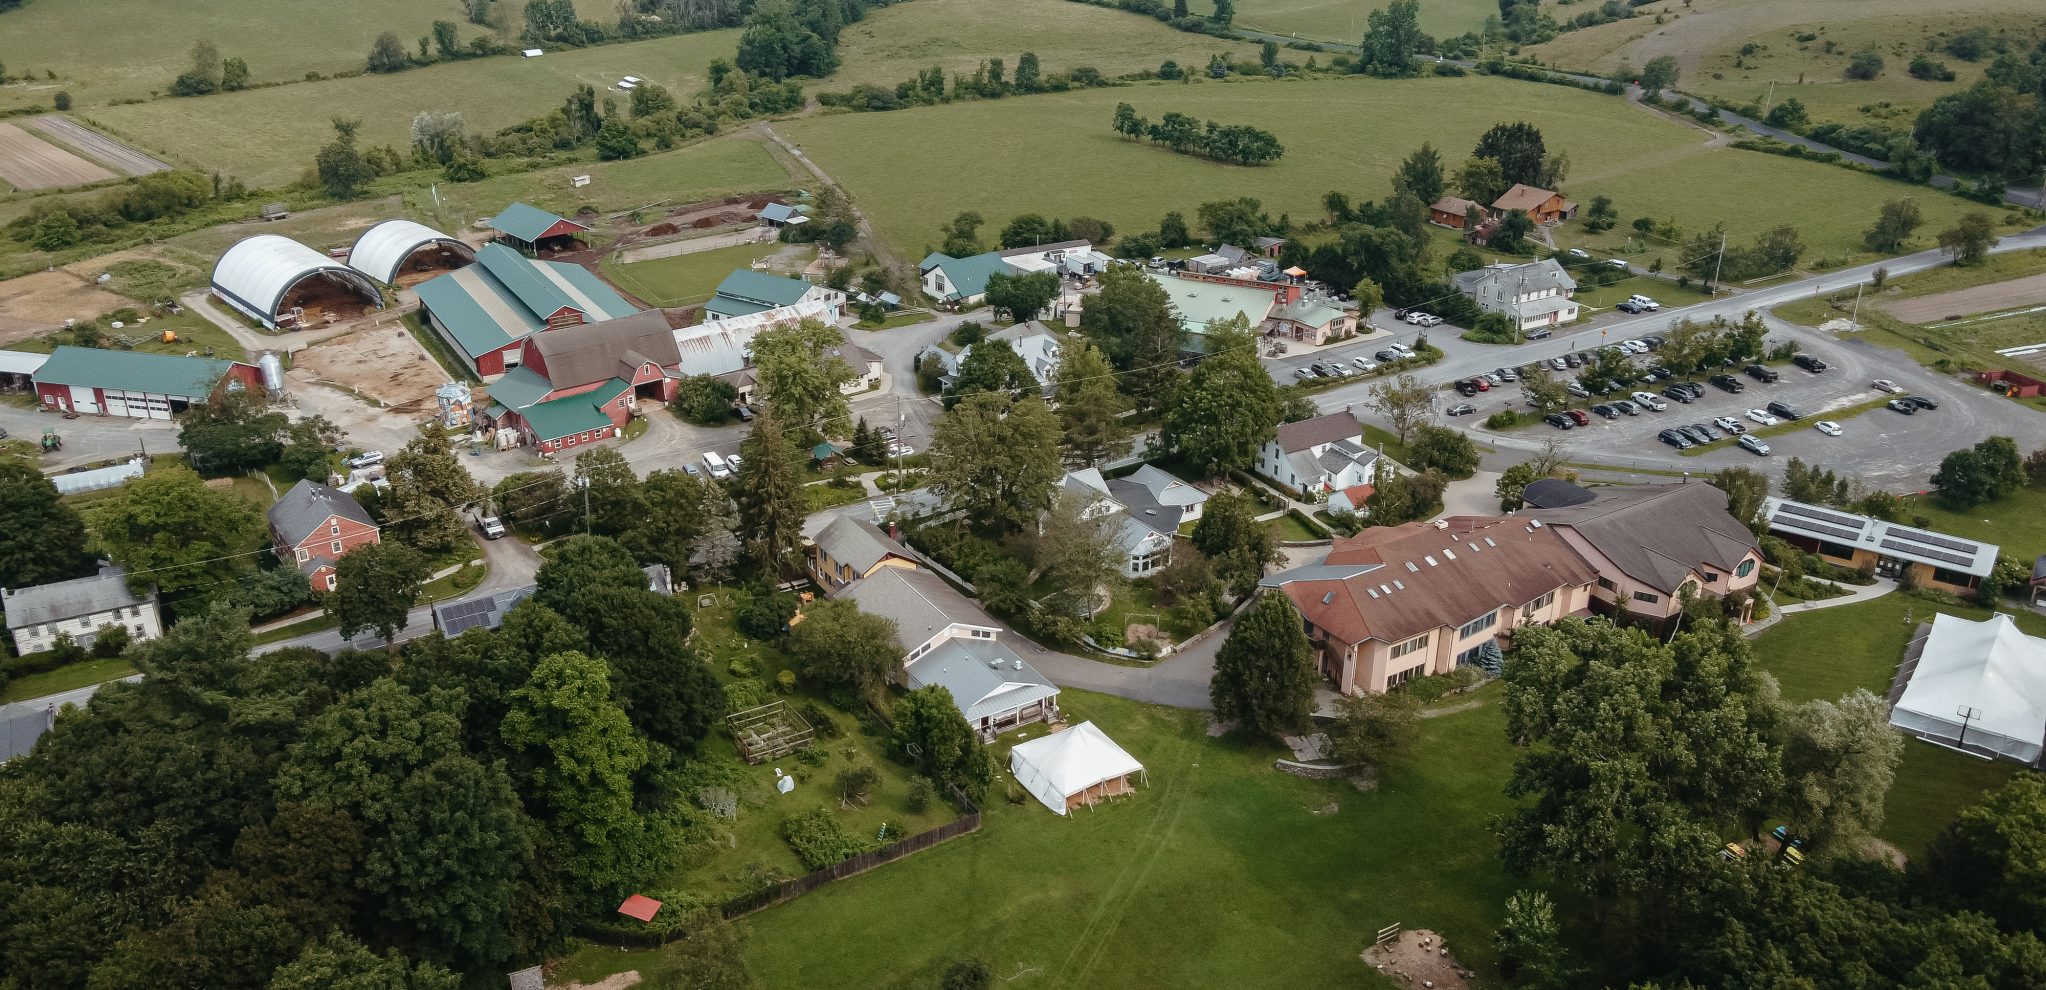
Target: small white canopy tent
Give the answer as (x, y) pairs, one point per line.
(1985, 680)
(1074, 767)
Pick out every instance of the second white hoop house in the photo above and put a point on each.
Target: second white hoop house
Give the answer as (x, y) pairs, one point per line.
(395, 249)
(279, 282)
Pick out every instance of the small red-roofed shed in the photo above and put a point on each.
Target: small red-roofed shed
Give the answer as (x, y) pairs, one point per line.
(640, 906)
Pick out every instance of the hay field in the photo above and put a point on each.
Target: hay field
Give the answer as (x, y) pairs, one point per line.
(28, 161)
(268, 136)
(1058, 155)
(109, 49)
(896, 42)
(1344, 20)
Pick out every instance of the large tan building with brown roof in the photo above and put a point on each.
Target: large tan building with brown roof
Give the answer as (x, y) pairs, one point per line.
(1395, 603)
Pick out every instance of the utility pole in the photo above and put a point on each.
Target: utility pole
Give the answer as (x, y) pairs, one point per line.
(583, 483)
(1518, 298)
(1766, 100)
(1854, 318)
(1719, 262)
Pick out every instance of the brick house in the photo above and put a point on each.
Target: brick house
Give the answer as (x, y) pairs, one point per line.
(313, 526)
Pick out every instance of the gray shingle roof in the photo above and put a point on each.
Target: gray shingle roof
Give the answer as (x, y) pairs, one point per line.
(70, 599)
(1658, 534)
(307, 505)
(920, 603)
(858, 543)
(580, 355)
(1326, 428)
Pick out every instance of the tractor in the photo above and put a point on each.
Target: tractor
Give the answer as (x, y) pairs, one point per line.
(51, 441)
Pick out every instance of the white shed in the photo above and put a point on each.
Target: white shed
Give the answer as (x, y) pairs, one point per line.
(1076, 767)
(1979, 686)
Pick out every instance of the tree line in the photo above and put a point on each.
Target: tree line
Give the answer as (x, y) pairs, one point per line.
(1237, 144)
(989, 81)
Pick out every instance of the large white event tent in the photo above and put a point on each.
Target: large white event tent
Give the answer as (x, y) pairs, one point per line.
(1078, 766)
(1980, 686)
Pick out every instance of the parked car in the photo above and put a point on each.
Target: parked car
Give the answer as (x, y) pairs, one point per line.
(368, 458)
(492, 527)
(1921, 402)
(1730, 425)
(1649, 400)
(1577, 390)
(1637, 346)
(693, 470)
(1559, 421)
(1762, 373)
(1573, 360)
(1660, 370)
(1629, 306)
(1682, 395)
(735, 461)
(1341, 370)
(1785, 410)
(1905, 406)
(1506, 374)
(1421, 319)
(1729, 383)
(1620, 263)
(1809, 363)
(1606, 411)
(1466, 389)
(1579, 253)
(1764, 418)
(1303, 373)
(1559, 364)
(1754, 445)
(1827, 427)
(1403, 349)
(1539, 334)
(1361, 366)
(1462, 409)
(1627, 408)
(1580, 417)
(1675, 439)
(1886, 385)
(1654, 340)
(1388, 354)
(1692, 435)
(1644, 302)
(1704, 431)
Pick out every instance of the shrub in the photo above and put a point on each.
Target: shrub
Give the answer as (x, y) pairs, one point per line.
(855, 783)
(822, 722)
(968, 974)
(820, 839)
(766, 613)
(744, 694)
(920, 793)
(785, 682)
(1504, 420)
(742, 667)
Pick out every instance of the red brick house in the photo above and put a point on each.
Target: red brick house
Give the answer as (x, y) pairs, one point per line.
(313, 526)
(1540, 204)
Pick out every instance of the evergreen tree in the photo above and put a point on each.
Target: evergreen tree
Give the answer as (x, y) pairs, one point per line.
(771, 500)
(1264, 673)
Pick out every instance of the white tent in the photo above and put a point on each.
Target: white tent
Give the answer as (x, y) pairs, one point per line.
(1985, 679)
(1072, 767)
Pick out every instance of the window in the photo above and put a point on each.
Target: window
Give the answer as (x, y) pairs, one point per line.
(1404, 676)
(1470, 656)
(1417, 643)
(330, 582)
(335, 548)
(1746, 568)
(1956, 578)
(334, 529)
(303, 554)
(1538, 604)
(1607, 585)
(1648, 597)
(1712, 577)
(1483, 622)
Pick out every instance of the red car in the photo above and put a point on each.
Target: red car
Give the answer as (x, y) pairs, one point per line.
(1481, 384)
(1582, 418)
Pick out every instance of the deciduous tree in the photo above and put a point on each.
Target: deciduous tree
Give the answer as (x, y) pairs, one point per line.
(45, 538)
(992, 366)
(1372, 728)
(375, 588)
(997, 458)
(1220, 416)
(839, 644)
(171, 531)
(931, 733)
(800, 373)
(1404, 401)
(1230, 535)
(1969, 240)
(1839, 759)
(1131, 318)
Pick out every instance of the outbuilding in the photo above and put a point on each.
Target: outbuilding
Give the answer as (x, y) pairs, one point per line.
(1975, 686)
(135, 384)
(1074, 768)
(534, 230)
(279, 282)
(401, 252)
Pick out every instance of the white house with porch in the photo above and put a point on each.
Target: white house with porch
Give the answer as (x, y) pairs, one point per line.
(1320, 455)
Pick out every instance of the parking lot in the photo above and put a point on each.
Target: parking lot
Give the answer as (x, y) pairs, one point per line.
(1812, 394)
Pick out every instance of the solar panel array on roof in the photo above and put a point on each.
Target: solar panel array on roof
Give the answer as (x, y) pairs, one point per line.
(465, 615)
(1934, 539)
(1808, 512)
(1919, 551)
(1819, 521)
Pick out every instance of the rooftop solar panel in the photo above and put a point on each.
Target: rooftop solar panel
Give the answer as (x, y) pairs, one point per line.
(1939, 555)
(1808, 512)
(1934, 539)
(1811, 526)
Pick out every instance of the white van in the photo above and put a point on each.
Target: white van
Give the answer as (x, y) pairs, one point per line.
(716, 465)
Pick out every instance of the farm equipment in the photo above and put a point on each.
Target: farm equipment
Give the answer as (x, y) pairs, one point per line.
(51, 441)
(170, 336)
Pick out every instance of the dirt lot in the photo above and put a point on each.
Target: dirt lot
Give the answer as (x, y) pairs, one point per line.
(381, 361)
(1418, 959)
(41, 301)
(29, 162)
(2028, 291)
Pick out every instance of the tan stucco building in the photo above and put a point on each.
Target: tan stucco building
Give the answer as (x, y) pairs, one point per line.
(1651, 543)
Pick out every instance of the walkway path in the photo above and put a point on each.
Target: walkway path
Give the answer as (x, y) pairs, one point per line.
(1855, 595)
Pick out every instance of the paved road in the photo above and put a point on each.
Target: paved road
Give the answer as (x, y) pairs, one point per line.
(89, 439)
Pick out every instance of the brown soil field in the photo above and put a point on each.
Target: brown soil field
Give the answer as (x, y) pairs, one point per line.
(2028, 291)
(29, 162)
(41, 301)
(381, 360)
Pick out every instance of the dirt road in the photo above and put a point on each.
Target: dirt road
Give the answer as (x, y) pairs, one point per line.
(697, 245)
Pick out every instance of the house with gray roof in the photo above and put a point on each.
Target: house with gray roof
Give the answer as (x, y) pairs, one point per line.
(1537, 294)
(946, 639)
(1654, 544)
(1320, 455)
(79, 608)
(849, 549)
(1147, 508)
(313, 525)
(1037, 344)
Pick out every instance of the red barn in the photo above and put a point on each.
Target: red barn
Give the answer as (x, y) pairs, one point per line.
(134, 383)
(313, 526)
(580, 384)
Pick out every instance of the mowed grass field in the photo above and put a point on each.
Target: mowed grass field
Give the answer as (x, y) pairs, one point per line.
(103, 50)
(1220, 872)
(895, 43)
(268, 136)
(1057, 154)
(688, 278)
(1344, 20)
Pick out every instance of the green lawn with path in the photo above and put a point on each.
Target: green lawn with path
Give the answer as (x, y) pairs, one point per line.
(687, 278)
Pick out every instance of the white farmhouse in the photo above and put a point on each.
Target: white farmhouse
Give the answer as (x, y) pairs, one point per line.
(1319, 455)
(1536, 294)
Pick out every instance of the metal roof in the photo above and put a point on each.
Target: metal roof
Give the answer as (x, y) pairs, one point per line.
(382, 249)
(1200, 304)
(70, 599)
(570, 415)
(919, 602)
(967, 275)
(528, 223)
(1878, 537)
(134, 371)
(505, 296)
(257, 271)
(20, 362)
(760, 289)
(519, 388)
(984, 677)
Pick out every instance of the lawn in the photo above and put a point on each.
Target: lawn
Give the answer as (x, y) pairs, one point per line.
(1059, 155)
(686, 278)
(1290, 530)
(895, 43)
(1137, 601)
(1343, 21)
(65, 678)
(1830, 652)
(2016, 522)
(109, 49)
(1185, 884)
(268, 136)
(319, 623)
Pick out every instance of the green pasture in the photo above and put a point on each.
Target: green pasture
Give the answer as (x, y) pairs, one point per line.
(1344, 21)
(1058, 155)
(895, 43)
(683, 279)
(268, 136)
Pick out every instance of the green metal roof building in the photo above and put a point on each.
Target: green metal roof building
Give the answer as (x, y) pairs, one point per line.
(961, 280)
(486, 309)
(745, 292)
(134, 383)
(575, 419)
(530, 225)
